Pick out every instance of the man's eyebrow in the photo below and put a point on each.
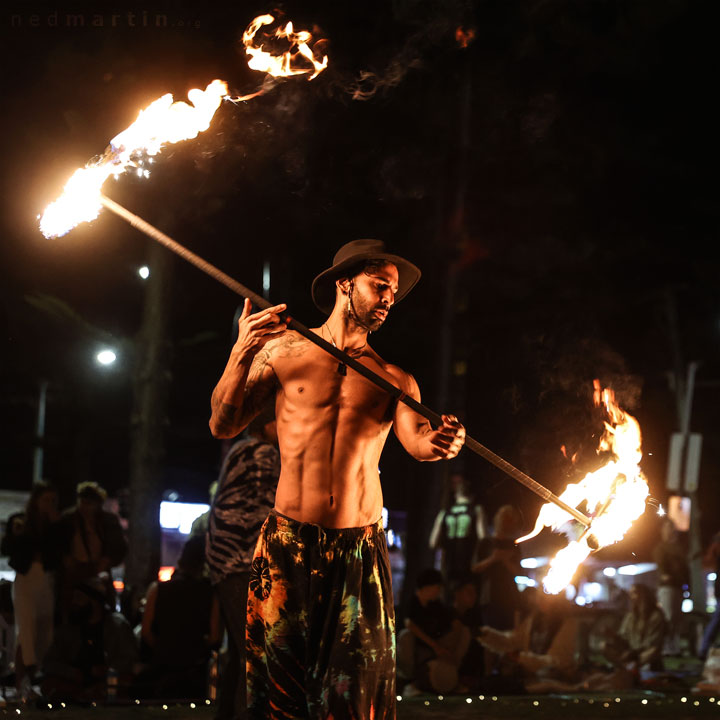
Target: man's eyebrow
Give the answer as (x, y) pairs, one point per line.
(382, 279)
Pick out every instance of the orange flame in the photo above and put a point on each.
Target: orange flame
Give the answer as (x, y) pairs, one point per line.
(164, 122)
(463, 36)
(614, 495)
(289, 62)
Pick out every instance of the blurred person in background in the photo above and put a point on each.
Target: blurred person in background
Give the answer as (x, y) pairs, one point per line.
(92, 543)
(711, 561)
(433, 645)
(673, 575)
(31, 544)
(467, 611)
(497, 568)
(245, 494)
(457, 530)
(634, 652)
(540, 653)
(180, 628)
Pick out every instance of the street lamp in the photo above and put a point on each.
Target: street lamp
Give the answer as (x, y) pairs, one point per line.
(106, 357)
(144, 272)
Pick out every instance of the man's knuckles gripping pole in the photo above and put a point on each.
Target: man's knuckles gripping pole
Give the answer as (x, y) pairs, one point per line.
(450, 437)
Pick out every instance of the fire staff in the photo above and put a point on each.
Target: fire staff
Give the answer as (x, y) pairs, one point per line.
(320, 608)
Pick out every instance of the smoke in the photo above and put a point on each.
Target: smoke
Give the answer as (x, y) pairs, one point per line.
(436, 30)
(368, 84)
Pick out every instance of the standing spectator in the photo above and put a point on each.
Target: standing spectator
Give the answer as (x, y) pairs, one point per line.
(200, 523)
(180, 627)
(244, 496)
(32, 546)
(457, 531)
(499, 563)
(496, 570)
(673, 574)
(711, 561)
(93, 543)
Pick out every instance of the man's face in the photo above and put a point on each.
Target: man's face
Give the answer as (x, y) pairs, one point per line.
(373, 294)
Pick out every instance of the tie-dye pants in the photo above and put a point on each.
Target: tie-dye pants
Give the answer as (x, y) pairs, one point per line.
(321, 623)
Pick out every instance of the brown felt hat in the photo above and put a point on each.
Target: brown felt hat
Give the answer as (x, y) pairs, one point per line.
(355, 253)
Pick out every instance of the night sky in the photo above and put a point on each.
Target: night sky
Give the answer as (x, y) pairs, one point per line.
(555, 180)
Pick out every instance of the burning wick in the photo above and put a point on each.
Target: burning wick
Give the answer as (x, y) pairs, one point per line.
(615, 495)
(165, 122)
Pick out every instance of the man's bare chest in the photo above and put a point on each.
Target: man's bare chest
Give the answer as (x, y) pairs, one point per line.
(312, 379)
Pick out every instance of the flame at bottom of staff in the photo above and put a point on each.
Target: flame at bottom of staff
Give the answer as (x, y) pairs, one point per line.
(615, 495)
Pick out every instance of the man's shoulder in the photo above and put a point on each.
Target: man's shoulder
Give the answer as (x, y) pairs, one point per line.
(290, 344)
(402, 378)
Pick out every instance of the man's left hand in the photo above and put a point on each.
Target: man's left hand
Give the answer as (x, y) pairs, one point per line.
(448, 439)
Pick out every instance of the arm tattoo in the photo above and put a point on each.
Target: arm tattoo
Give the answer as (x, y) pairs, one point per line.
(292, 344)
(227, 416)
(259, 388)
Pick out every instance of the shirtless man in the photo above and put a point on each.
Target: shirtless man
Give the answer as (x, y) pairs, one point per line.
(321, 627)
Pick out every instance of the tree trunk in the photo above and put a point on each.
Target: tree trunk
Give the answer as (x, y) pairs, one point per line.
(451, 232)
(151, 385)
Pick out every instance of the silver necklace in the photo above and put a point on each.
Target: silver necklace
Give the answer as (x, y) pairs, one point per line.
(341, 368)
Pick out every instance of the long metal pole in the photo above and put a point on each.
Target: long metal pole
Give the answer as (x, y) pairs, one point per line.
(259, 301)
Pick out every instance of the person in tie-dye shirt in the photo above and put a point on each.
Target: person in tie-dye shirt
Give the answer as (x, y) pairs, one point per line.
(321, 626)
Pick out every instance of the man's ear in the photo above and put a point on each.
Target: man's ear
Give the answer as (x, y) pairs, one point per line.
(343, 285)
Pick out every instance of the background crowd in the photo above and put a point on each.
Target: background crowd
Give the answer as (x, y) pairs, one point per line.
(468, 626)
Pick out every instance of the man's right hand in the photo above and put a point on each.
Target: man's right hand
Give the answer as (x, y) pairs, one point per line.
(255, 330)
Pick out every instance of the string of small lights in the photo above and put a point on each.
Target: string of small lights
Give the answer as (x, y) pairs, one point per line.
(488, 702)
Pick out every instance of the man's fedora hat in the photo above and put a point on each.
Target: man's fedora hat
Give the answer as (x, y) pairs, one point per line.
(352, 255)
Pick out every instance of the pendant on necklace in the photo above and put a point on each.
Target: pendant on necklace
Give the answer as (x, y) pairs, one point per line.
(342, 369)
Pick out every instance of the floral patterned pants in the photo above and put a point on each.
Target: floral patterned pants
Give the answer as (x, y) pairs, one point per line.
(321, 623)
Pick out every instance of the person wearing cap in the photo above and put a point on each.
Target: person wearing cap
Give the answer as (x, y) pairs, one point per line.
(321, 626)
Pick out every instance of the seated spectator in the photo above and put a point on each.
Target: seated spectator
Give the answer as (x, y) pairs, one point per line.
(634, 652)
(541, 649)
(467, 611)
(180, 628)
(433, 644)
(638, 643)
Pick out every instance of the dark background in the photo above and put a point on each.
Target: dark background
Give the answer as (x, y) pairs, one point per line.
(555, 180)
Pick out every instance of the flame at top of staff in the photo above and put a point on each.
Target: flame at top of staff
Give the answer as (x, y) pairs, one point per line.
(284, 64)
(615, 495)
(164, 122)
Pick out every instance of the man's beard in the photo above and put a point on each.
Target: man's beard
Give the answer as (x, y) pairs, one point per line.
(362, 312)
